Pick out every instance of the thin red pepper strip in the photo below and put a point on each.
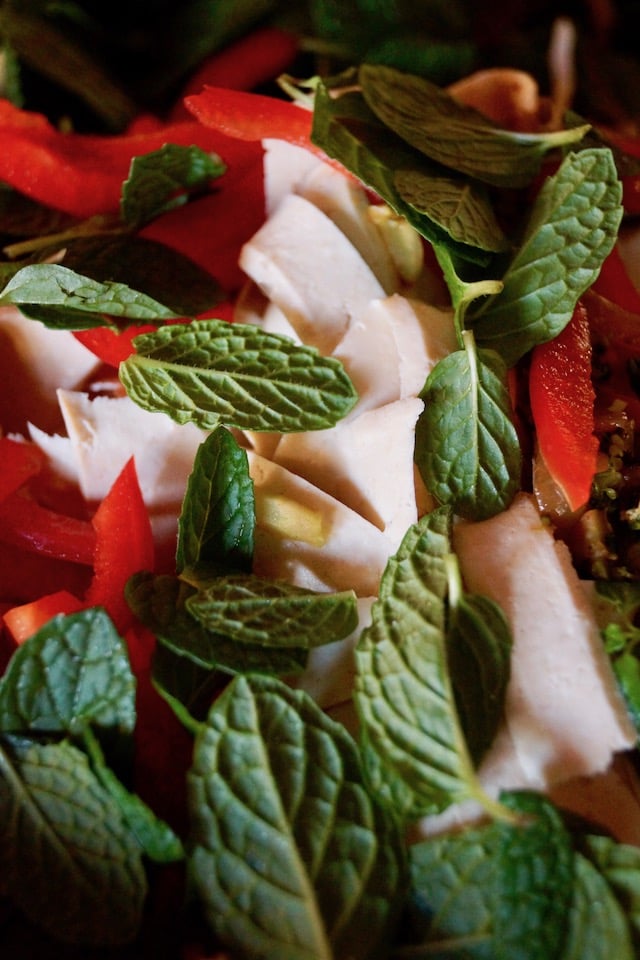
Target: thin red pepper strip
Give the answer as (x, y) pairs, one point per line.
(124, 546)
(110, 346)
(18, 463)
(562, 405)
(26, 619)
(26, 524)
(614, 283)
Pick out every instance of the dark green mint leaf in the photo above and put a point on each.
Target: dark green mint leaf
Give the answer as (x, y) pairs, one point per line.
(572, 229)
(273, 613)
(597, 928)
(188, 687)
(73, 672)
(415, 750)
(160, 603)
(69, 861)
(280, 813)
(467, 448)
(210, 372)
(65, 300)
(453, 134)
(619, 863)
(163, 179)
(217, 520)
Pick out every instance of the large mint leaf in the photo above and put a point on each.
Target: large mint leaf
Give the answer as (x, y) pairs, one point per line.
(74, 671)
(68, 859)
(210, 372)
(620, 865)
(467, 449)
(349, 131)
(160, 603)
(572, 229)
(414, 746)
(217, 520)
(453, 134)
(188, 687)
(291, 856)
(163, 179)
(273, 613)
(65, 300)
(597, 927)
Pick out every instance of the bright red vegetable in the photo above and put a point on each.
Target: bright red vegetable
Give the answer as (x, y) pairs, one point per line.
(110, 346)
(26, 524)
(18, 463)
(124, 546)
(24, 620)
(562, 404)
(614, 283)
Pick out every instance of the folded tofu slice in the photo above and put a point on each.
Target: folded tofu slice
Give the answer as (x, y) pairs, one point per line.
(304, 263)
(564, 714)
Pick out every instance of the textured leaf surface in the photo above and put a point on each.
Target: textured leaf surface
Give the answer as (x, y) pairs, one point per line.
(291, 856)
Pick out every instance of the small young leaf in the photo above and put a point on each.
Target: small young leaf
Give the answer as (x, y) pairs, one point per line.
(572, 229)
(467, 449)
(273, 613)
(70, 862)
(73, 672)
(291, 856)
(210, 372)
(163, 179)
(217, 520)
(64, 300)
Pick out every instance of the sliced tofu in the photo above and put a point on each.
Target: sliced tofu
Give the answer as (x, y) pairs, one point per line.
(564, 713)
(285, 168)
(353, 553)
(366, 463)
(307, 267)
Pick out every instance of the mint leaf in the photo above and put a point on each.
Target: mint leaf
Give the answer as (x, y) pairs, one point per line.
(596, 928)
(467, 449)
(619, 863)
(65, 300)
(188, 687)
(73, 672)
(572, 229)
(453, 134)
(414, 746)
(163, 179)
(217, 520)
(617, 605)
(210, 372)
(69, 861)
(273, 613)
(281, 815)
(160, 603)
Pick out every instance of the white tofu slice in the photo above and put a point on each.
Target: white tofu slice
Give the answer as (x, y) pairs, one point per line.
(34, 362)
(107, 431)
(345, 201)
(285, 167)
(59, 451)
(353, 553)
(366, 463)
(563, 712)
(307, 267)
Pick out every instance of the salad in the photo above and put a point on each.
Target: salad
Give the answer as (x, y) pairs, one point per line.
(319, 494)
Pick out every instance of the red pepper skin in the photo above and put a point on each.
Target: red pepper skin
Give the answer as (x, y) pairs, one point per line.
(562, 405)
(110, 346)
(124, 546)
(24, 523)
(25, 620)
(18, 463)
(614, 283)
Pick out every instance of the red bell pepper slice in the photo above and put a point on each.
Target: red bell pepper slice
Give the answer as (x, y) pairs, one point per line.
(25, 620)
(111, 346)
(562, 405)
(18, 463)
(26, 524)
(614, 283)
(124, 546)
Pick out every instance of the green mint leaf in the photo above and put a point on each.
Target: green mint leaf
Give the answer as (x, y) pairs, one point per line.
(414, 746)
(217, 520)
(453, 134)
(280, 813)
(188, 687)
(73, 672)
(156, 838)
(597, 928)
(617, 605)
(210, 372)
(619, 863)
(160, 603)
(69, 861)
(347, 130)
(65, 300)
(467, 449)
(272, 613)
(479, 647)
(163, 179)
(461, 207)
(572, 229)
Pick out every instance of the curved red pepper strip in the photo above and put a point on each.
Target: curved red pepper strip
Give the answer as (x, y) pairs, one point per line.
(18, 463)
(614, 283)
(124, 546)
(26, 524)
(562, 405)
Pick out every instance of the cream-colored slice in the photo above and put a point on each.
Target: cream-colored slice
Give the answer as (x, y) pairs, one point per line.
(307, 267)
(366, 463)
(352, 554)
(564, 713)
(285, 167)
